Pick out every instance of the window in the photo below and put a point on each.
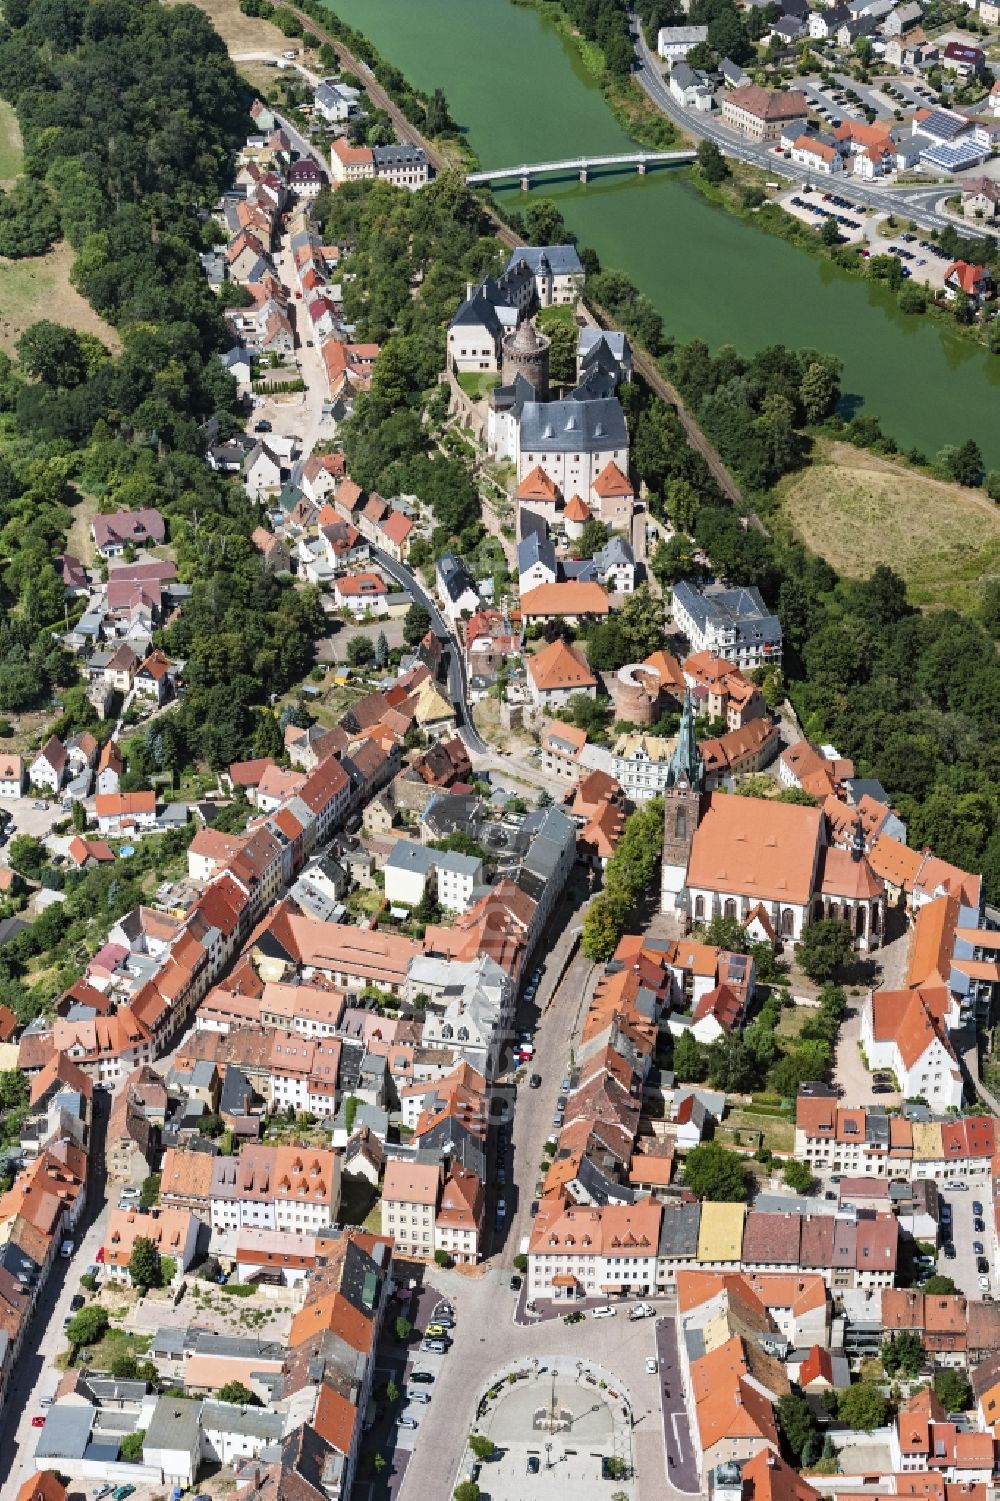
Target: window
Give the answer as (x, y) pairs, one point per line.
(729, 910)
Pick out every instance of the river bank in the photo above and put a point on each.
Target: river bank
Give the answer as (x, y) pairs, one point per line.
(632, 108)
(706, 272)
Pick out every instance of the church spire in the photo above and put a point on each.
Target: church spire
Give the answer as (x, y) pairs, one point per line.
(686, 766)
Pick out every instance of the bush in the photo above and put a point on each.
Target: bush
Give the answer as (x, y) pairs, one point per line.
(481, 1446)
(88, 1326)
(130, 1447)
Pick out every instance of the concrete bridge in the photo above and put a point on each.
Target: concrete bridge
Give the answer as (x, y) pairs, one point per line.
(582, 165)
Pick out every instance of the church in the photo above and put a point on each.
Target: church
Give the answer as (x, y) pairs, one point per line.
(725, 855)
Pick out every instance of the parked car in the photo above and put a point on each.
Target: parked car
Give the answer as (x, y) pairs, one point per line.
(100, 1491)
(642, 1311)
(605, 1312)
(982, 1266)
(417, 1396)
(433, 1347)
(979, 1226)
(436, 1331)
(534, 1464)
(40, 803)
(652, 1364)
(979, 1248)
(409, 1423)
(425, 1376)
(984, 1283)
(515, 1283)
(949, 1250)
(123, 1492)
(38, 1421)
(977, 1208)
(263, 426)
(566, 1085)
(534, 1208)
(535, 1081)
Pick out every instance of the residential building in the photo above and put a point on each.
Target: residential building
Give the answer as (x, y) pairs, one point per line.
(410, 1193)
(556, 673)
(734, 623)
(760, 114)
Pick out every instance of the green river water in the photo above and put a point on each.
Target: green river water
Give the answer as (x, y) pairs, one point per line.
(521, 96)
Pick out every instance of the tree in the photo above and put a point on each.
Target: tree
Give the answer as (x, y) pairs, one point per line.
(862, 1406)
(603, 925)
(238, 1394)
(416, 624)
(520, 1262)
(829, 233)
(798, 1175)
(441, 1257)
(403, 1329)
(27, 855)
(825, 945)
(690, 1059)
(391, 1391)
(381, 651)
(939, 1285)
(125, 1367)
(714, 1173)
(482, 1447)
(819, 391)
(149, 1193)
(797, 1424)
(953, 1390)
(360, 651)
(350, 1112)
(144, 1265)
(562, 339)
(726, 933)
(592, 538)
(965, 464)
(711, 162)
(903, 1353)
(130, 1447)
(467, 1490)
(88, 1325)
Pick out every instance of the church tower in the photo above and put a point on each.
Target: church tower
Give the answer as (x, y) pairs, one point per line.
(682, 808)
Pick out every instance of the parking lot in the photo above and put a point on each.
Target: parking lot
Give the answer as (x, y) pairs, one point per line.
(920, 259)
(963, 1268)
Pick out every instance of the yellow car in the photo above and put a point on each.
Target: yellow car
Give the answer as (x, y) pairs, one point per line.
(436, 1331)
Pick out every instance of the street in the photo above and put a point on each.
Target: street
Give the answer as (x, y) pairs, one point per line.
(34, 1373)
(917, 203)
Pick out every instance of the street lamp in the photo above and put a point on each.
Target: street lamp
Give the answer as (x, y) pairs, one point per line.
(548, 1454)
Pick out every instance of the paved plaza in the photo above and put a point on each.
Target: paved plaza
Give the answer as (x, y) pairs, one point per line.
(555, 1426)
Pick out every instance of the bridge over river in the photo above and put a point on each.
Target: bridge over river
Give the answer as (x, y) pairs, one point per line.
(582, 165)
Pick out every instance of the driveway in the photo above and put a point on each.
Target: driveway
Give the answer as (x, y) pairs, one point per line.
(849, 1072)
(682, 1466)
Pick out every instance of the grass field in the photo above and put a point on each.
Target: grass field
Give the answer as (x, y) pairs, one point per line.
(858, 510)
(40, 288)
(478, 383)
(244, 33)
(11, 154)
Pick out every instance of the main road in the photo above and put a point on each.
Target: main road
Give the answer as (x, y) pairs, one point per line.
(919, 204)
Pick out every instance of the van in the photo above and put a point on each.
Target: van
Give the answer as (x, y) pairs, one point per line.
(607, 1312)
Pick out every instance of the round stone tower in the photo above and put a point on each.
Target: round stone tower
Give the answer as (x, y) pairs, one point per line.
(526, 352)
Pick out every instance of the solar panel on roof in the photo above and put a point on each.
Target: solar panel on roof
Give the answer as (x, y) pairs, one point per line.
(952, 158)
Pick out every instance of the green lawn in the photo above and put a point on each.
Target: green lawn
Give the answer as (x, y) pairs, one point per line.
(779, 1135)
(114, 1343)
(547, 316)
(11, 153)
(478, 383)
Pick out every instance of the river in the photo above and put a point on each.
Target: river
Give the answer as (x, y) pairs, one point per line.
(521, 96)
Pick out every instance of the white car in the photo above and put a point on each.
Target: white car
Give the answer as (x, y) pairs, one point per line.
(130, 1193)
(652, 1364)
(607, 1312)
(642, 1311)
(984, 1283)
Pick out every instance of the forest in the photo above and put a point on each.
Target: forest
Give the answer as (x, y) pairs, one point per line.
(129, 174)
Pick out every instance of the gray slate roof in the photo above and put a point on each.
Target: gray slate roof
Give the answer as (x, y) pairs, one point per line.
(561, 260)
(535, 548)
(580, 426)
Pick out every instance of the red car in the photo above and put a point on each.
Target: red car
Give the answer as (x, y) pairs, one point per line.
(38, 1421)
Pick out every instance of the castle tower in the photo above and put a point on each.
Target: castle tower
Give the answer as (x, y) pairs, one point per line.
(526, 352)
(682, 808)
